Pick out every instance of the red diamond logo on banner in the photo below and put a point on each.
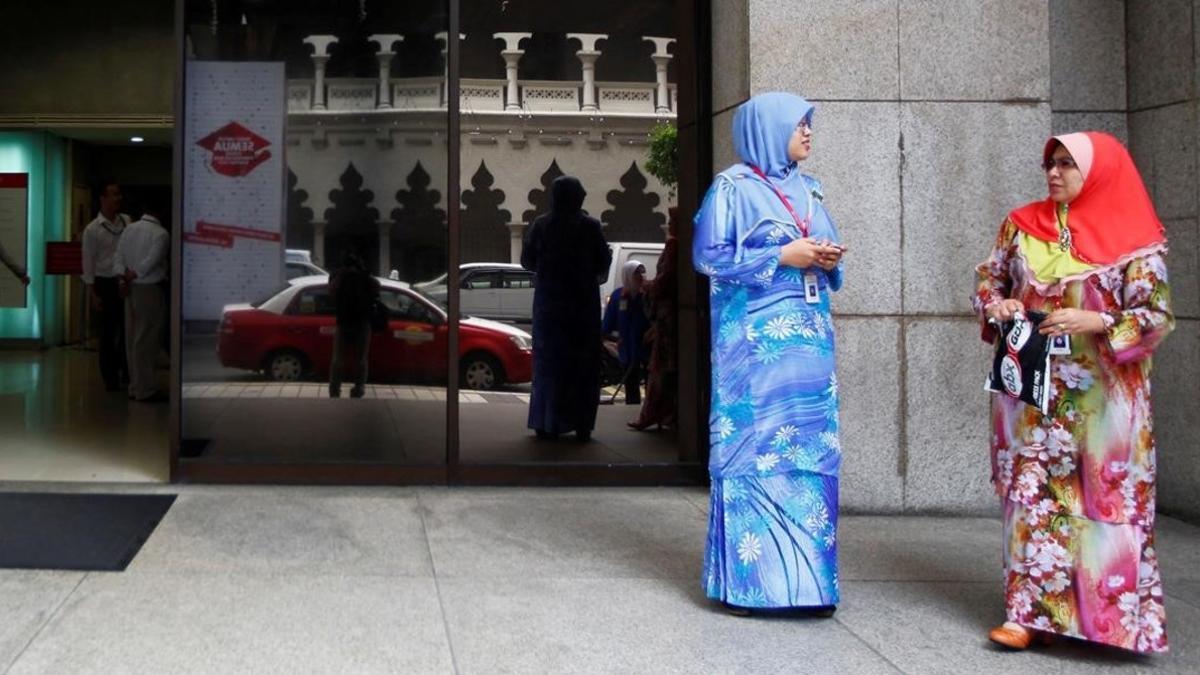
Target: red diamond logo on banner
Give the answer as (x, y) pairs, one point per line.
(235, 150)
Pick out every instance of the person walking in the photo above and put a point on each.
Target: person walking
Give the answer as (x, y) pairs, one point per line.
(355, 293)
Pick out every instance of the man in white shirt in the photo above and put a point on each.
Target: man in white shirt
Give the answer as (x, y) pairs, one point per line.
(100, 239)
(142, 257)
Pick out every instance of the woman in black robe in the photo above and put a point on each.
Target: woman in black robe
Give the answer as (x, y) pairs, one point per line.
(570, 258)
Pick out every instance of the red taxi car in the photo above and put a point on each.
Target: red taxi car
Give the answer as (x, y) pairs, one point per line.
(289, 336)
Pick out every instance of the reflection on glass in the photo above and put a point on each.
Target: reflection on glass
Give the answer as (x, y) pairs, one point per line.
(551, 89)
(315, 134)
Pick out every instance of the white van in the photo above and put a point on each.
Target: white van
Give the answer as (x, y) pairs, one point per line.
(644, 252)
(502, 291)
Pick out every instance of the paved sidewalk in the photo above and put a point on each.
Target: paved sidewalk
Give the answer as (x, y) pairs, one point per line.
(404, 580)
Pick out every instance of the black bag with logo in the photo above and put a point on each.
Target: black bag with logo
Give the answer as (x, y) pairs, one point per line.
(1021, 367)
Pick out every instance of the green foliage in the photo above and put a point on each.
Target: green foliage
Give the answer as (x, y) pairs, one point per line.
(663, 160)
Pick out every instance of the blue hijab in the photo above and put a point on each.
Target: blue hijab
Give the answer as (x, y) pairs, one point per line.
(742, 223)
(762, 128)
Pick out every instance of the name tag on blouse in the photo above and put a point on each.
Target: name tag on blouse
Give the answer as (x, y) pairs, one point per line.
(1060, 345)
(812, 289)
(623, 305)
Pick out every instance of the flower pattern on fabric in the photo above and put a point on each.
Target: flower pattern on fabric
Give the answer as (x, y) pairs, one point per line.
(775, 450)
(1078, 484)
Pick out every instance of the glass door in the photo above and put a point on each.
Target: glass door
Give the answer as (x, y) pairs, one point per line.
(359, 181)
(568, 267)
(314, 322)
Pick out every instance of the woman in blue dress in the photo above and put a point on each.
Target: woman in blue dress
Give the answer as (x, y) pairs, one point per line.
(771, 253)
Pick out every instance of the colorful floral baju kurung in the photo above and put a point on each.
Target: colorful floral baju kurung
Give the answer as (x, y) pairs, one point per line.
(775, 451)
(1077, 485)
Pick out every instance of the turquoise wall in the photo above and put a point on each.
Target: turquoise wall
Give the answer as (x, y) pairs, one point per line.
(44, 157)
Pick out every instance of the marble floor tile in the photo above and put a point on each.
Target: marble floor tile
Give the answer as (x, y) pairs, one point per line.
(942, 628)
(1178, 545)
(572, 533)
(28, 598)
(300, 531)
(535, 625)
(187, 623)
(895, 548)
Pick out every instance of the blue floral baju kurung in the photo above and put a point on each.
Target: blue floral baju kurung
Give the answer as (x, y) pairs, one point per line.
(775, 450)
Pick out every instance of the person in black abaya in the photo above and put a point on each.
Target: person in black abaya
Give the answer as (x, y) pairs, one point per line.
(568, 255)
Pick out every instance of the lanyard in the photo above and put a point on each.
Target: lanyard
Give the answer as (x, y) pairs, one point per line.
(800, 223)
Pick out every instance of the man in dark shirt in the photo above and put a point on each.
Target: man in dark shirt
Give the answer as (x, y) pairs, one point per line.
(354, 293)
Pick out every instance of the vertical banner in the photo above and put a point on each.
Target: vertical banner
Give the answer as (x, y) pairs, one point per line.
(233, 204)
(14, 235)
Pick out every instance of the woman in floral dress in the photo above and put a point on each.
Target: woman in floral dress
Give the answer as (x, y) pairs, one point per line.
(1077, 484)
(764, 240)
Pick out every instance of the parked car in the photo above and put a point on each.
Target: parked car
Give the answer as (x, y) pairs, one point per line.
(302, 269)
(488, 290)
(298, 255)
(644, 252)
(299, 263)
(289, 336)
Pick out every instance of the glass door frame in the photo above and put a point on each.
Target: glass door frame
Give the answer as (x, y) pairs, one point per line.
(695, 171)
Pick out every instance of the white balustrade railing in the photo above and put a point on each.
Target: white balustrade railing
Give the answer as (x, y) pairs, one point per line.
(627, 97)
(481, 95)
(512, 94)
(478, 96)
(417, 94)
(299, 95)
(544, 96)
(351, 94)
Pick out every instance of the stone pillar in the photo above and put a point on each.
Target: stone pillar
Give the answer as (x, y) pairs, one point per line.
(512, 55)
(320, 57)
(907, 439)
(386, 41)
(318, 249)
(385, 248)
(1163, 100)
(517, 232)
(661, 58)
(588, 54)
(444, 38)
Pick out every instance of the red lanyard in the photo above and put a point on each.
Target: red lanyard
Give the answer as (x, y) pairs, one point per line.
(800, 223)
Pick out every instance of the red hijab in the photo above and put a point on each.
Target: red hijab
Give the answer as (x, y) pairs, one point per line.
(1112, 217)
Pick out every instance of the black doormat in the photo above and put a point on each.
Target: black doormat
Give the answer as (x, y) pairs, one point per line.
(85, 532)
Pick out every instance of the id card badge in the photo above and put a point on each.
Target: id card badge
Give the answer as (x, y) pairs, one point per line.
(812, 289)
(1060, 345)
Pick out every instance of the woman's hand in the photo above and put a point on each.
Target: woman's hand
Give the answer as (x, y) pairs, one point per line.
(829, 261)
(1072, 322)
(1004, 310)
(804, 253)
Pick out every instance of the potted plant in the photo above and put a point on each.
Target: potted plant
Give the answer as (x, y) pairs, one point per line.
(663, 162)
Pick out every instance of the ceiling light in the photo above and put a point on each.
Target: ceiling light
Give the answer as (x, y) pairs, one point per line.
(136, 139)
